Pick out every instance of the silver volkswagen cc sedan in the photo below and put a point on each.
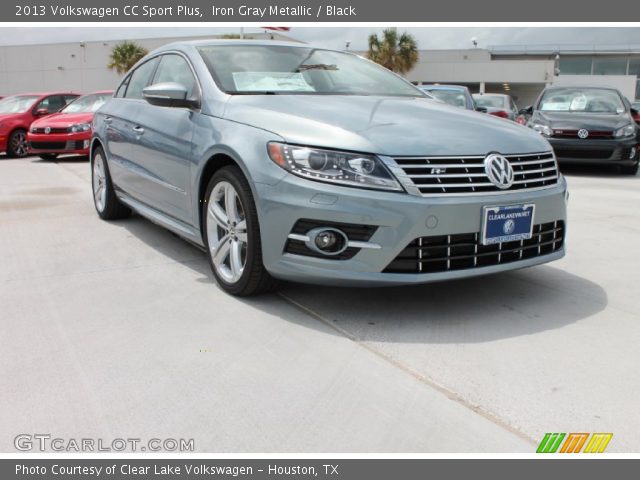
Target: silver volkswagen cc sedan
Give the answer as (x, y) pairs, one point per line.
(290, 162)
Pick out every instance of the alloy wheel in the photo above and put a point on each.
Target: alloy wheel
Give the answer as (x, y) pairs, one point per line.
(99, 183)
(227, 232)
(19, 144)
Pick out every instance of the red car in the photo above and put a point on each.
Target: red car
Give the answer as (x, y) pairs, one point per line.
(69, 130)
(17, 112)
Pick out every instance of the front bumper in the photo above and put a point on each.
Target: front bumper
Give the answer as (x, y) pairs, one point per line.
(603, 151)
(400, 219)
(61, 143)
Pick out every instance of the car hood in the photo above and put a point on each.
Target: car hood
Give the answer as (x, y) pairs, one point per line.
(63, 120)
(590, 121)
(383, 125)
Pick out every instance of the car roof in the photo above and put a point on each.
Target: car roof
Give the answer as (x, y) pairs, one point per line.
(491, 95)
(41, 94)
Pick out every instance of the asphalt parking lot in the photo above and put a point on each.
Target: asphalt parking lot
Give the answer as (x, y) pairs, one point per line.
(118, 329)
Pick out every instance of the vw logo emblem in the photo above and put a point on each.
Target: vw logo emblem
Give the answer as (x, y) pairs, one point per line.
(508, 227)
(47, 130)
(583, 133)
(499, 170)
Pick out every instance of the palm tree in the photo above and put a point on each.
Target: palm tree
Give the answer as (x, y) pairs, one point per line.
(124, 55)
(397, 53)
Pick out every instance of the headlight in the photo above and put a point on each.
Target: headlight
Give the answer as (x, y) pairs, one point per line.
(81, 127)
(344, 168)
(543, 129)
(625, 131)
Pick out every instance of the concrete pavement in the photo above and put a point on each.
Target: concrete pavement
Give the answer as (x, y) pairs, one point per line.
(118, 329)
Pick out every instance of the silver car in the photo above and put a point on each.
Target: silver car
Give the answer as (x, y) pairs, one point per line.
(290, 162)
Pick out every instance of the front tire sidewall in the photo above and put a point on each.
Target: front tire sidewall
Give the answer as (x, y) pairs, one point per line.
(231, 175)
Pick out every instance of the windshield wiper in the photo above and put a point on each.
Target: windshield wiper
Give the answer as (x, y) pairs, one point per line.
(317, 66)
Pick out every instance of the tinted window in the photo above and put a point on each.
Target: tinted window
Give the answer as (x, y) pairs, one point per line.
(52, 103)
(140, 78)
(575, 66)
(610, 66)
(174, 68)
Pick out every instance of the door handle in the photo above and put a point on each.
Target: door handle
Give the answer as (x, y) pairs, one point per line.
(108, 120)
(138, 130)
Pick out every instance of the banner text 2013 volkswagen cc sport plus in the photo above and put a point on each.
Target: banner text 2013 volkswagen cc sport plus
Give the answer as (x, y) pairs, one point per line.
(291, 162)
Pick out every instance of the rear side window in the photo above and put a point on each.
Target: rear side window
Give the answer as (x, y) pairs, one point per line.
(140, 78)
(174, 68)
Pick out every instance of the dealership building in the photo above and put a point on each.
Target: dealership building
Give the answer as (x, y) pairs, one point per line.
(520, 70)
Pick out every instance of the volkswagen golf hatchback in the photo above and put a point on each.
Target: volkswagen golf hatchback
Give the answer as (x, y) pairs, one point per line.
(290, 162)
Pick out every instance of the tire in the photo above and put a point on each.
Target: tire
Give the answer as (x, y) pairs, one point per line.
(17, 147)
(232, 235)
(104, 197)
(48, 156)
(630, 170)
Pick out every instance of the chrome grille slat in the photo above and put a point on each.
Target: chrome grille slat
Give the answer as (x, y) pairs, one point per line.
(445, 253)
(466, 175)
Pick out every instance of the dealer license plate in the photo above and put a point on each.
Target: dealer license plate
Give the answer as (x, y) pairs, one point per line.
(508, 223)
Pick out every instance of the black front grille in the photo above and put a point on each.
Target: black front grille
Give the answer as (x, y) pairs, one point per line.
(52, 130)
(355, 232)
(591, 153)
(459, 175)
(48, 145)
(463, 251)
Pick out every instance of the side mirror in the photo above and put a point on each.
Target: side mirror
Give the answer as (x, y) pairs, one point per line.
(526, 110)
(41, 112)
(168, 94)
(481, 109)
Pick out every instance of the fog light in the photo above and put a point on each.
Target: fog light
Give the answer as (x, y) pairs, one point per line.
(86, 143)
(326, 240)
(329, 241)
(633, 153)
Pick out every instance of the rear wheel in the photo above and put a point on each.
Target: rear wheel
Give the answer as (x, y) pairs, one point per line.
(232, 235)
(18, 146)
(48, 156)
(104, 197)
(630, 170)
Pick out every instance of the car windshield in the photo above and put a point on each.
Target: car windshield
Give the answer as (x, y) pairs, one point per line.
(488, 101)
(275, 69)
(452, 97)
(17, 104)
(577, 100)
(87, 103)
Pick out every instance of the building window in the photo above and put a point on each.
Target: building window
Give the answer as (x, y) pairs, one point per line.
(575, 65)
(610, 66)
(638, 90)
(634, 66)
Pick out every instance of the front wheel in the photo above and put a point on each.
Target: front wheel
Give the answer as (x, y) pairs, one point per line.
(232, 235)
(18, 146)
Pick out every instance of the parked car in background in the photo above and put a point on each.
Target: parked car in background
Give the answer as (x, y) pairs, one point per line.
(456, 95)
(306, 164)
(17, 113)
(588, 125)
(635, 111)
(497, 104)
(69, 130)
